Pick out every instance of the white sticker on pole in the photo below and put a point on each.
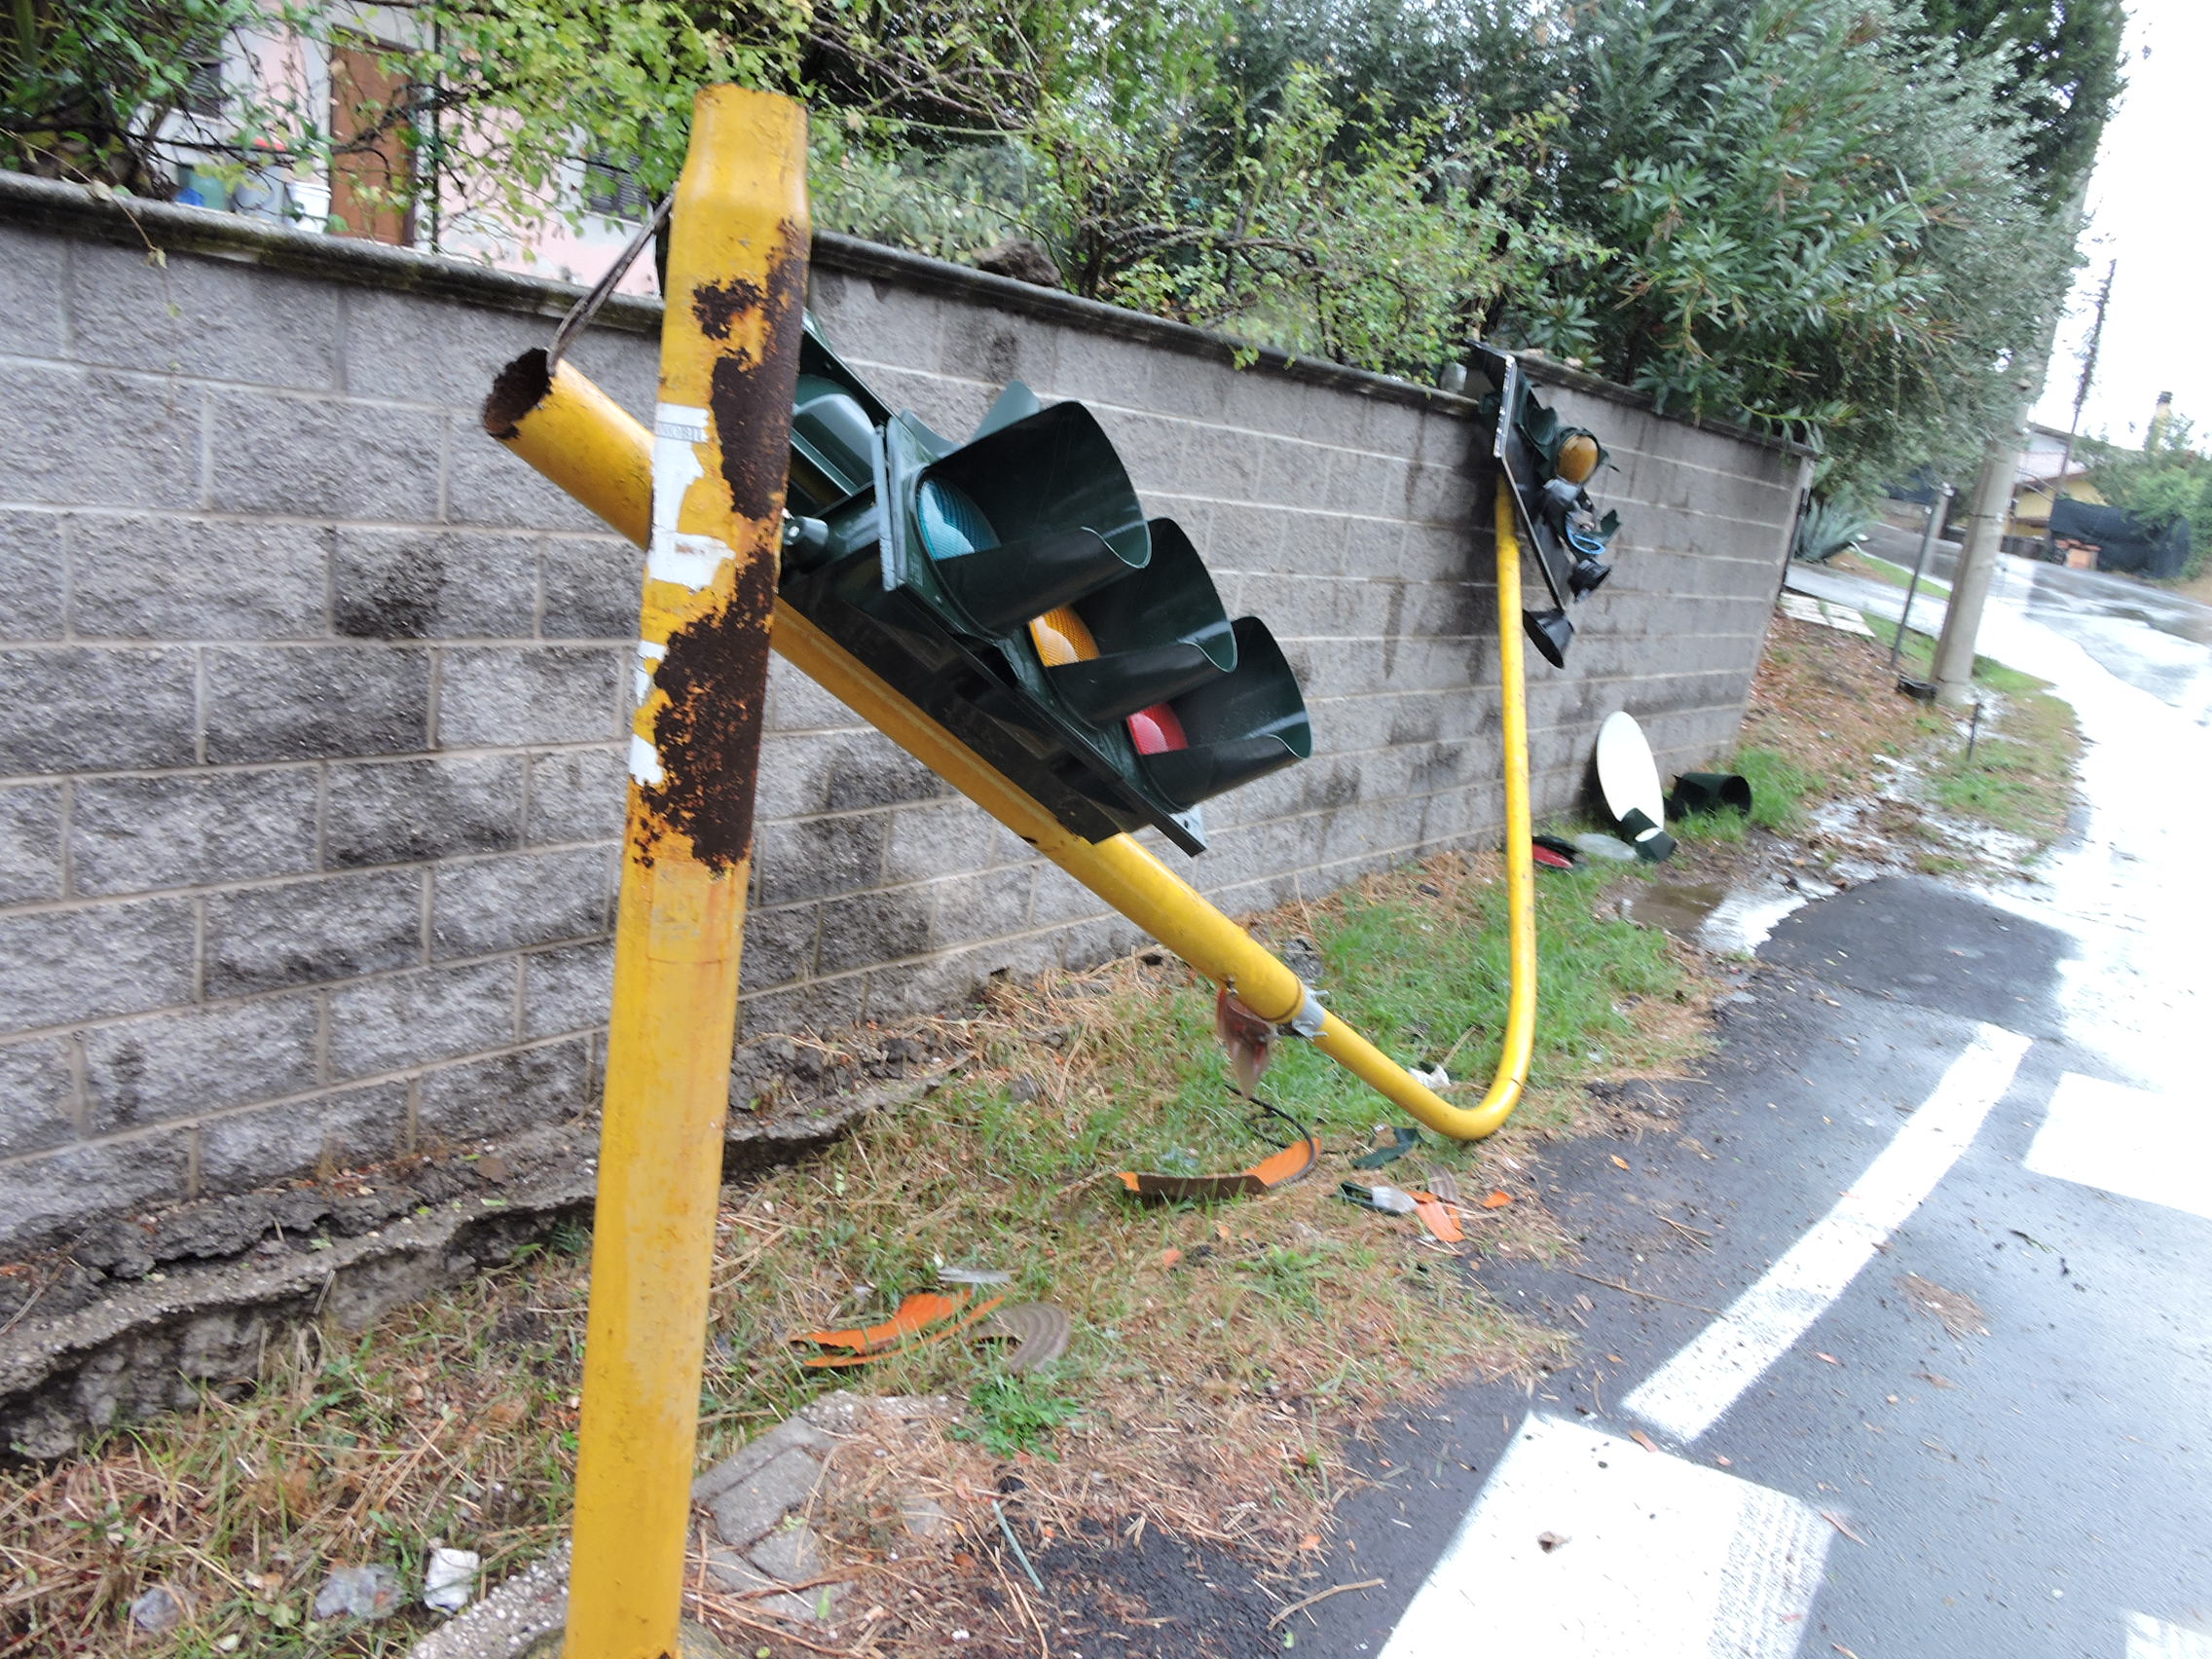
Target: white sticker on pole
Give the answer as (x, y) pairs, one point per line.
(650, 658)
(691, 560)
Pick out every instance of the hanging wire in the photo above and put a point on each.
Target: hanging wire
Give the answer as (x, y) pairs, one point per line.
(584, 310)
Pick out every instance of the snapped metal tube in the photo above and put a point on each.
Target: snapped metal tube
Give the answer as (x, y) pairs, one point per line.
(573, 434)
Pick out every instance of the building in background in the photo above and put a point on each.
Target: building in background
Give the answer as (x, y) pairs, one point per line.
(2045, 472)
(391, 175)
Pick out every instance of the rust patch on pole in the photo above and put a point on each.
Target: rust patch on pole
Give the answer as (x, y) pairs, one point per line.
(708, 731)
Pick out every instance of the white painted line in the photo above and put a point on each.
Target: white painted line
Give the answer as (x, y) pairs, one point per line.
(1660, 1558)
(1687, 1395)
(2155, 1638)
(2129, 1141)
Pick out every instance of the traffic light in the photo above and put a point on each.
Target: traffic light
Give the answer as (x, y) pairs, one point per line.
(1013, 588)
(1546, 466)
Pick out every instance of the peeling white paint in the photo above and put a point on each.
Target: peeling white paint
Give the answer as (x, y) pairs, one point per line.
(645, 762)
(649, 657)
(692, 561)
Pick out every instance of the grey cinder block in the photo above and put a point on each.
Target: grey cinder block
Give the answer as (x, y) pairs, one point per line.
(592, 586)
(344, 1129)
(400, 811)
(874, 926)
(542, 1085)
(321, 457)
(304, 702)
(505, 904)
(141, 577)
(199, 1059)
(89, 438)
(779, 946)
(31, 574)
(91, 708)
(569, 988)
(333, 927)
(60, 966)
(44, 1199)
(182, 829)
(409, 1019)
(503, 697)
(38, 1095)
(817, 858)
(33, 292)
(206, 318)
(577, 794)
(413, 584)
(31, 843)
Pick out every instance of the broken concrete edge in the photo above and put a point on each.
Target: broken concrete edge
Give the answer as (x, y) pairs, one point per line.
(192, 1297)
(756, 1535)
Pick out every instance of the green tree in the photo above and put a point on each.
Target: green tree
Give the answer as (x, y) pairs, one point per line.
(2062, 76)
(88, 83)
(1815, 220)
(2167, 481)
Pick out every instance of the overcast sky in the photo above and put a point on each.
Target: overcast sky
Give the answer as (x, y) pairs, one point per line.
(2148, 210)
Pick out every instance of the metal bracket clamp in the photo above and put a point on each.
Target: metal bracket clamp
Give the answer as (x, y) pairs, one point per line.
(1308, 1020)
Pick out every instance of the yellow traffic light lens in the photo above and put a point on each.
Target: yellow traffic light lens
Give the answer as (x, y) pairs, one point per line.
(1577, 458)
(1061, 638)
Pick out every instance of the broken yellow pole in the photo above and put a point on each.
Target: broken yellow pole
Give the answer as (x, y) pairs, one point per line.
(712, 497)
(563, 428)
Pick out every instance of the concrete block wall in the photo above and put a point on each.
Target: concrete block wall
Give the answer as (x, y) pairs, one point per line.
(309, 774)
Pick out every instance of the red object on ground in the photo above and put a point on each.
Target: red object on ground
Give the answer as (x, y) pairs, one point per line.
(1549, 859)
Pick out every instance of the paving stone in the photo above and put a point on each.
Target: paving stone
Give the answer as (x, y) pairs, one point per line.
(791, 1554)
(734, 1573)
(747, 1510)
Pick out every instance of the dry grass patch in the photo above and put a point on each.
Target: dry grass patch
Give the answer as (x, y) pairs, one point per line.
(1221, 1352)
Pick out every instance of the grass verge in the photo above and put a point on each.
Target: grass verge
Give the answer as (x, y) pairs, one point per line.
(1865, 564)
(2020, 778)
(1221, 1352)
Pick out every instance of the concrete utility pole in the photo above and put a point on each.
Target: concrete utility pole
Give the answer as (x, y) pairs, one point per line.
(1993, 505)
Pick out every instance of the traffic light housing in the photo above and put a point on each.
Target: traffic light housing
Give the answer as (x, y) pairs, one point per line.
(1546, 466)
(1013, 588)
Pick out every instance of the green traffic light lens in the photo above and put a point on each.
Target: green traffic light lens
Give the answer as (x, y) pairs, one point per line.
(951, 523)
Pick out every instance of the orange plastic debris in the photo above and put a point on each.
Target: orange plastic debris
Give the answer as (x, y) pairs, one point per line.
(1497, 1201)
(1271, 1171)
(1436, 1215)
(922, 1318)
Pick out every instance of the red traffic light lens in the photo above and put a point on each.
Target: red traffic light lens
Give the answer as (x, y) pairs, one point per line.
(1156, 731)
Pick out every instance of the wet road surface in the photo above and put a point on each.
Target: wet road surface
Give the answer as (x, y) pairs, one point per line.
(1900, 1346)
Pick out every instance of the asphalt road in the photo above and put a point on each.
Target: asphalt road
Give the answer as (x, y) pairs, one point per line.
(1901, 1346)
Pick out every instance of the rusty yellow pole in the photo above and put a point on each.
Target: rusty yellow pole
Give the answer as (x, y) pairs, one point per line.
(729, 362)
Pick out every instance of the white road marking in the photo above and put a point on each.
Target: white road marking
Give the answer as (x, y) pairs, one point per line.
(2155, 1638)
(1688, 1394)
(2129, 1141)
(1660, 1558)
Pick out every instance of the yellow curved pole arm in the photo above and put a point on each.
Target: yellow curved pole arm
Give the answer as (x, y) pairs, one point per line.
(573, 434)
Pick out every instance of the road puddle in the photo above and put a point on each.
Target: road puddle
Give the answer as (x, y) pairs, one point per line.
(1715, 916)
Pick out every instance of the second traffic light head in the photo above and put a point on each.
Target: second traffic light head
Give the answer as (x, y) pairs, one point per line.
(1024, 519)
